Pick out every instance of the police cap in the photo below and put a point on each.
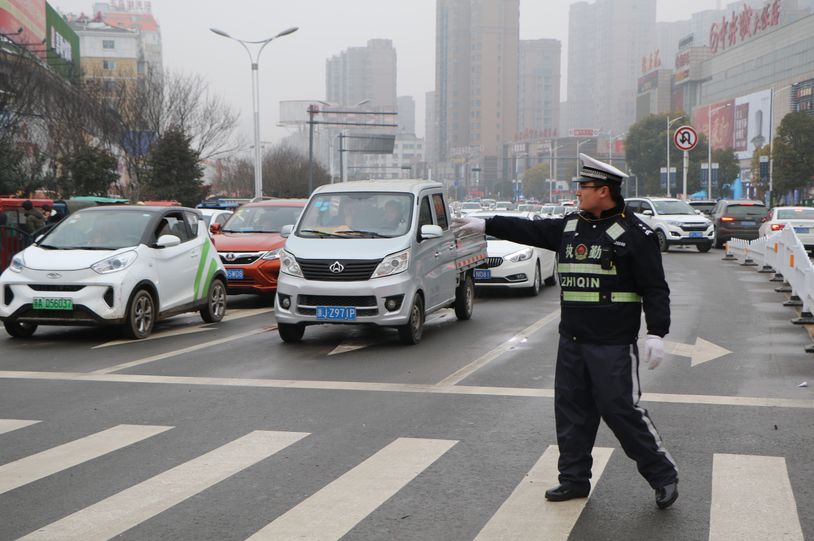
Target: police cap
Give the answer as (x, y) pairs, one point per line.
(594, 170)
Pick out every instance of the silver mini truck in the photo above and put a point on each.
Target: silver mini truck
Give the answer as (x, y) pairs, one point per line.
(375, 252)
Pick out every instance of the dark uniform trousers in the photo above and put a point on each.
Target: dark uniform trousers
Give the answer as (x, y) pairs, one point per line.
(596, 381)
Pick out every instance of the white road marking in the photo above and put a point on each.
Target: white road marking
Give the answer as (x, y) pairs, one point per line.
(527, 515)
(752, 500)
(160, 356)
(702, 351)
(483, 360)
(521, 392)
(333, 511)
(353, 343)
(32, 468)
(120, 512)
(8, 425)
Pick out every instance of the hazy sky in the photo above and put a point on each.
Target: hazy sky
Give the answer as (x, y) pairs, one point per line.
(293, 67)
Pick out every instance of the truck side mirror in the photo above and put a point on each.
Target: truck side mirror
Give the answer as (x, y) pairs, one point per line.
(431, 231)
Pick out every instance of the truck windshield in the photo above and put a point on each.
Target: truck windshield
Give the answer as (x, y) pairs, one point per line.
(357, 215)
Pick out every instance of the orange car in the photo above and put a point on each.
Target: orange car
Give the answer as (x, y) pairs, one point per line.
(249, 244)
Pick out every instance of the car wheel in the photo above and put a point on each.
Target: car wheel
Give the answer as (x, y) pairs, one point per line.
(291, 332)
(20, 329)
(718, 243)
(465, 297)
(410, 334)
(552, 280)
(140, 315)
(215, 307)
(704, 248)
(537, 285)
(662, 238)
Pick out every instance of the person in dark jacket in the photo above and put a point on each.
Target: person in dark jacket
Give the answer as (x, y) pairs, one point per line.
(610, 269)
(34, 219)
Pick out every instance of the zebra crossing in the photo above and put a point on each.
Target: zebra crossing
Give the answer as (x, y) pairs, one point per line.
(751, 496)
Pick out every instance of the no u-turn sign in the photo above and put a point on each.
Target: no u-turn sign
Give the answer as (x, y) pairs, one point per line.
(685, 138)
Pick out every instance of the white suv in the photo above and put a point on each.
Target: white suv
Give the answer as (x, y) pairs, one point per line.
(674, 221)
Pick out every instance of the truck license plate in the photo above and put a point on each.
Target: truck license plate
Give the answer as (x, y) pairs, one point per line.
(234, 274)
(52, 304)
(483, 274)
(336, 313)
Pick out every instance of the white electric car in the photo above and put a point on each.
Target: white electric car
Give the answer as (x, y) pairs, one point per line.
(128, 265)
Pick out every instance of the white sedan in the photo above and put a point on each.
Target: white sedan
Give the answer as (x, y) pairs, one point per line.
(800, 218)
(515, 265)
(128, 265)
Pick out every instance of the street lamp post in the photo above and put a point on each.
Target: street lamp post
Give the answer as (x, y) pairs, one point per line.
(552, 152)
(669, 140)
(258, 173)
(710, 111)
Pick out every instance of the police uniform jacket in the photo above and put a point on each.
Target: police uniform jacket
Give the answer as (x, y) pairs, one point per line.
(609, 267)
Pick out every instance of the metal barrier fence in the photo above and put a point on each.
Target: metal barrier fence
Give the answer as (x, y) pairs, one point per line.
(12, 240)
(784, 254)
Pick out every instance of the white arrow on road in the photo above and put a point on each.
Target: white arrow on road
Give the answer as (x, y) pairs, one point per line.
(352, 343)
(699, 353)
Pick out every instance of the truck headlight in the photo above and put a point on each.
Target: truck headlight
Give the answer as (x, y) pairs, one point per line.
(17, 263)
(271, 254)
(289, 265)
(115, 263)
(520, 255)
(393, 264)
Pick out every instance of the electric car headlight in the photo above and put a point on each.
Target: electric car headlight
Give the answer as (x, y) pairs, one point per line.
(115, 263)
(289, 265)
(393, 264)
(17, 263)
(521, 255)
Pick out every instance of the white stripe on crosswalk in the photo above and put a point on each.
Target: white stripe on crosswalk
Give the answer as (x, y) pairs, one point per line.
(336, 509)
(122, 511)
(527, 515)
(31, 468)
(752, 499)
(8, 425)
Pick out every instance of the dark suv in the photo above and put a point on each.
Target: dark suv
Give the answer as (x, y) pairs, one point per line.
(737, 218)
(704, 205)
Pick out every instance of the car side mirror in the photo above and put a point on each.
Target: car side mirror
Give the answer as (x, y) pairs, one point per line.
(215, 228)
(698, 211)
(167, 241)
(285, 232)
(431, 231)
(647, 212)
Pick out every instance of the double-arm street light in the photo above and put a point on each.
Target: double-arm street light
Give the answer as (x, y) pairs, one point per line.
(710, 112)
(258, 173)
(669, 141)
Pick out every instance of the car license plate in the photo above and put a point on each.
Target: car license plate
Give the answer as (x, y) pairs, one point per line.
(696, 234)
(53, 304)
(234, 274)
(483, 274)
(337, 313)
(748, 224)
(801, 230)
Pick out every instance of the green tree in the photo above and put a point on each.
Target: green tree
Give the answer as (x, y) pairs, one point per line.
(175, 171)
(534, 182)
(793, 156)
(762, 184)
(11, 168)
(87, 170)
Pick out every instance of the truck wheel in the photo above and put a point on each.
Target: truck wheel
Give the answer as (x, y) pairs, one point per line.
(662, 238)
(215, 307)
(140, 315)
(19, 329)
(410, 334)
(291, 332)
(704, 248)
(537, 285)
(465, 297)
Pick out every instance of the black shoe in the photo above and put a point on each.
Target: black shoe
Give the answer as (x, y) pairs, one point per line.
(567, 491)
(666, 495)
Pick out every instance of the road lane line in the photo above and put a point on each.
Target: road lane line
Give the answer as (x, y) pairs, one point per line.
(333, 511)
(9, 425)
(32, 468)
(175, 353)
(520, 392)
(483, 360)
(130, 507)
(752, 499)
(180, 331)
(527, 515)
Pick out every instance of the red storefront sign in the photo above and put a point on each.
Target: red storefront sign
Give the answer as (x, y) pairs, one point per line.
(743, 25)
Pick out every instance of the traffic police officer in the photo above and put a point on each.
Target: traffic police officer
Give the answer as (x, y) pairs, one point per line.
(610, 268)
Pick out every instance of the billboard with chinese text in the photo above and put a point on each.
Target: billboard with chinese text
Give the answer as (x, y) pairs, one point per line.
(63, 44)
(741, 124)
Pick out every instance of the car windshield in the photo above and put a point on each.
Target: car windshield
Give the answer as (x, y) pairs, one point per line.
(98, 230)
(673, 207)
(796, 214)
(357, 215)
(262, 219)
(703, 207)
(746, 211)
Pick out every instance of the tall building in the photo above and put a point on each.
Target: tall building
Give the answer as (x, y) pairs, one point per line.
(108, 52)
(607, 41)
(363, 74)
(136, 16)
(406, 114)
(476, 84)
(539, 88)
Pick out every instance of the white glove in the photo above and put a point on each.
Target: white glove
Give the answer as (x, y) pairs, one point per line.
(468, 226)
(653, 351)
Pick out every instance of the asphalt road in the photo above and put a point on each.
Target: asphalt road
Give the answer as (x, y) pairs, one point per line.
(222, 432)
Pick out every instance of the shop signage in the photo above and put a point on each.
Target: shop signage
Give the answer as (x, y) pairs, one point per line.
(741, 26)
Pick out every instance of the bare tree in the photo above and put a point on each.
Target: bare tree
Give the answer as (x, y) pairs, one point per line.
(285, 173)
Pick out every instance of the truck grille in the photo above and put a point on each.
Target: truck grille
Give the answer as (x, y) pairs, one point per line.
(351, 269)
(335, 300)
